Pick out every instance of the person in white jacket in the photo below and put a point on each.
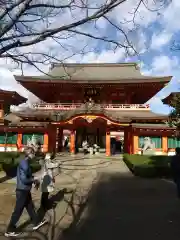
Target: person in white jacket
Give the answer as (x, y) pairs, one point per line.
(47, 181)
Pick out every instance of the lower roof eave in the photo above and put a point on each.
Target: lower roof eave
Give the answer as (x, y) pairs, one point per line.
(158, 117)
(156, 126)
(29, 124)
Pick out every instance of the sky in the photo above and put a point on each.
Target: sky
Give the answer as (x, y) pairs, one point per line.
(153, 34)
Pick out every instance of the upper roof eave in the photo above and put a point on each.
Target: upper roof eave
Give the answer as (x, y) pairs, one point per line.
(52, 79)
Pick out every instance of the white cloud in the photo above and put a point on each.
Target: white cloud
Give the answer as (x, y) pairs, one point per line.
(73, 45)
(171, 17)
(157, 106)
(124, 13)
(159, 40)
(101, 23)
(163, 65)
(105, 56)
(8, 82)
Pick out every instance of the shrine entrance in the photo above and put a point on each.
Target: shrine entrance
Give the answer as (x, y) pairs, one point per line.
(93, 132)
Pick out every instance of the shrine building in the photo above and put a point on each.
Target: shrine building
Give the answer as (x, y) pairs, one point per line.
(93, 102)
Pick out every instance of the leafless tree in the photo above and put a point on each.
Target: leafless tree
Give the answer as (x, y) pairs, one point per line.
(25, 24)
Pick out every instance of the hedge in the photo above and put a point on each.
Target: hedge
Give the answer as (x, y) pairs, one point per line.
(9, 162)
(148, 166)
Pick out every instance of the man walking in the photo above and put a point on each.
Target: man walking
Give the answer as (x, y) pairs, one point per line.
(175, 167)
(23, 196)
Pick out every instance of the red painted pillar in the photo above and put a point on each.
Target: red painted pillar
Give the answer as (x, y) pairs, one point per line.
(60, 139)
(72, 142)
(52, 130)
(125, 139)
(19, 142)
(46, 142)
(128, 140)
(108, 143)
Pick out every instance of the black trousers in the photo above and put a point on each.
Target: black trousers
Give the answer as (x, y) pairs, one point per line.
(44, 205)
(23, 200)
(45, 201)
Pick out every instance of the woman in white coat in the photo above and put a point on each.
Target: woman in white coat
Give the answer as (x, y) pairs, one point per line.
(47, 179)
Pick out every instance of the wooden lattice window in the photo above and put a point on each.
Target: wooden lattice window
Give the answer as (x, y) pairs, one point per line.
(27, 136)
(173, 142)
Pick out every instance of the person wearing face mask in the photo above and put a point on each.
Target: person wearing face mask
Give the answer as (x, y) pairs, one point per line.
(25, 180)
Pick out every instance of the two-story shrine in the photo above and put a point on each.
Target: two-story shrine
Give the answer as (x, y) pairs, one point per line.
(93, 102)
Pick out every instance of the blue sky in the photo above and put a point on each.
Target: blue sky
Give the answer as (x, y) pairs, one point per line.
(152, 34)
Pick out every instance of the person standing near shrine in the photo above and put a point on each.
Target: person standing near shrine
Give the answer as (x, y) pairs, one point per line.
(85, 146)
(25, 180)
(175, 167)
(47, 180)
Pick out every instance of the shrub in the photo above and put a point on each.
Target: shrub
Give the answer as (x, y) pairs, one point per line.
(9, 155)
(148, 166)
(1, 167)
(10, 160)
(35, 166)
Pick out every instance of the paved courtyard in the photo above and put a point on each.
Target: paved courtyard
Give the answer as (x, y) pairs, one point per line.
(101, 200)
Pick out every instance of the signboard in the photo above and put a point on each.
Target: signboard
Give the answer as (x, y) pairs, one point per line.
(91, 92)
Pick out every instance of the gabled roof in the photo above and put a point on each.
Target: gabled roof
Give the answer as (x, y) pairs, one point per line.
(11, 97)
(94, 73)
(72, 78)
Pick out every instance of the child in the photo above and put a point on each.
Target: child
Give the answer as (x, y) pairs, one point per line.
(47, 180)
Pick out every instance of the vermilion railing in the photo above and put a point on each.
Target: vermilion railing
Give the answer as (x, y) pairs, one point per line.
(126, 106)
(66, 106)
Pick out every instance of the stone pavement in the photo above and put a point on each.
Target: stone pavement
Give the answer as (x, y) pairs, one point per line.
(76, 173)
(103, 201)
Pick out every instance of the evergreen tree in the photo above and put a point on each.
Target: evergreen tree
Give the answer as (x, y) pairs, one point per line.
(174, 118)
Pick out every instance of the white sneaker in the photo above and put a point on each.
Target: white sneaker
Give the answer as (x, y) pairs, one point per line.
(40, 224)
(12, 234)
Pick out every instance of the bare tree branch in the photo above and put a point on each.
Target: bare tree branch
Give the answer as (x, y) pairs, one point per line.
(12, 21)
(99, 38)
(26, 23)
(8, 9)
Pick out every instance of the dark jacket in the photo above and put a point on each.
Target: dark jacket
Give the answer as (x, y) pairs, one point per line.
(24, 176)
(175, 166)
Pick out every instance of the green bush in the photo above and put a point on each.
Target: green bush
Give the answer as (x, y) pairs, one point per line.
(9, 155)
(35, 167)
(148, 166)
(9, 162)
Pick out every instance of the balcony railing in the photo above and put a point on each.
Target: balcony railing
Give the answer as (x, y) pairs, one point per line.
(125, 106)
(72, 106)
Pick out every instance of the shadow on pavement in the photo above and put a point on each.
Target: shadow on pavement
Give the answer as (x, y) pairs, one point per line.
(4, 179)
(118, 206)
(28, 235)
(47, 232)
(126, 207)
(54, 200)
